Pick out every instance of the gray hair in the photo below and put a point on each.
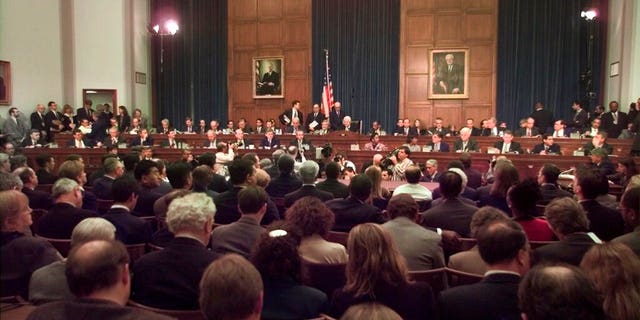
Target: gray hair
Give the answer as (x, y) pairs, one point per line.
(4, 158)
(63, 186)
(9, 181)
(465, 130)
(276, 155)
(265, 163)
(309, 171)
(190, 212)
(91, 229)
(432, 162)
(111, 164)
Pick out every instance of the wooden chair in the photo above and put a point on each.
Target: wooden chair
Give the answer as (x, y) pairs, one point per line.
(436, 278)
(324, 277)
(178, 314)
(458, 278)
(153, 247)
(537, 244)
(338, 237)
(62, 245)
(136, 251)
(36, 214)
(104, 205)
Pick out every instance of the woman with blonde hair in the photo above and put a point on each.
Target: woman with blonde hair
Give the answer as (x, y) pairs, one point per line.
(615, 271)
(371, 311)
(376, 272)
(379, 195)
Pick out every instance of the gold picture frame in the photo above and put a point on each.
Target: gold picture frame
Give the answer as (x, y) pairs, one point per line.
(268, 77)
(449, 77)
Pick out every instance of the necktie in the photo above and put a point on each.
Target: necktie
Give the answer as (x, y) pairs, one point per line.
(294, 114)
(505, 148)
(450, 67)
(528, 132)
(464, 146)
(142, 142)
(437, 147)
(406, 131)
(114, 141)
(615, 117)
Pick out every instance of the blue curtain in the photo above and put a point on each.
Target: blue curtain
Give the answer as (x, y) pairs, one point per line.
(363, 39)
(542, 52)
(190, 67)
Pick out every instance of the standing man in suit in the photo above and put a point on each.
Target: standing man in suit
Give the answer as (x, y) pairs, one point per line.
(450, 77)
(129, 228)
(465, 143)
(85, 112)
(314, 119)
(542, 117)
(605, 222)
(336, 115)
(547, 146)
(507, 145)
(308, 172)
(14, 127)
(614, 121)
(437, 145)
(580, 117)
(270, 141)
(53, 120)
(287, 116)
(504, 247)
(38, 121)
(353, 210)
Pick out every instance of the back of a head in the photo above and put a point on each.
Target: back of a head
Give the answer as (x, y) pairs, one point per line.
(231, 288)
(251, 156)
(501, 241)
(11, 206)
(91, 229)
(484, 217)
(63, 186)
(202, 177)
(566, 215)
(402, 205)
(71, 169)
(450, 184)
(207, 159)
(94, 266)
(559, 292)
(550, 172)
(370, 311)
(310, 216)
(42, 159)
(332, 170)
(262, 178)
(506, 175)
(123, 187)
(143, 168)
(179, 173)
(8, 181)
(465, 158)
(455, 164)
(285, 164)
(360, 187)
(413, 174)
(251, 199)
(590, 182)
(240, 170)
(276, 155)
(276, 257)
(130, 160)
(524, 196)
(309, 171)
(190, 213)
(631, 201)
(110, 164)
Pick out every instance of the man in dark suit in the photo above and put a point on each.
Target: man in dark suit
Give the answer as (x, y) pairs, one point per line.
(218, 183)
(614, 121)
(314, 116)
(143, 139)
(53, 120)
(431, 173)
(543, 118)
(507, 145)
(439, 128)
(114, 139)
(547, 146)
(474, 177)
(331, 183)
(33, 140)
(147, 173)
(85, 112)
(270, 83)
(129, 228)
(113, 169)
(600, 162)
(530, 130)
(100, 126)
(46, 164)
(308, 172)
(452, 213)
(171, 142)
(38, 121)
(270, 141)
(470, 123)
(580, 118)
(286, 118)
(65, 213)
(560, 129)
(240, 236)
(503, 246)
(570, 224)
(240, 140)
(285, 183)
(605, 222)
(37, 199)
(348, 126)
(79, 141)
(598, 141)
(449, 77)
(548, 181)
(336, 115)
(301, 142)
(464, 143)
(353, 211)
(437, 145)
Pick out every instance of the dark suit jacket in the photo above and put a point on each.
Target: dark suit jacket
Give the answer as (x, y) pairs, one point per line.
(102, 187)
(170, 278)
(495, 297)
(444, 147)
(61, 219)
(129, 228)
(335, 120)
(294, 142)
(543, 118)
(86, 308)
(275, 142)
(589, 146)
(553, 149)
(238, 237)
(605, 167)
(352, 128)
(513, 146)
(443, 131)
(107, 142)
(337, 188)
(288, 113)
(317, 118)
(605, 222)
(99, 127)
(569, 250)
(452, 214)
(522, 132)
(87, 143)
(304, 191)
(38, 199)
(137, 142)
(351, 212)
(435, 178)
(614, 129)
(580, 120)
(551, 191)
(27, 142)
(227, 205)
(472, 145)
(146, 198)
(45, 177)
(81, 113)
(282, 185)
(124, 123)
(166, 144)
(474, 178)
(38, 121)
(219, 184)
(468, 193)
(49, 118)
(89, 201)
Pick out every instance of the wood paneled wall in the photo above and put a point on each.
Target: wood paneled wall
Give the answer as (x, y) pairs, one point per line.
(443, 24)
(268, 28)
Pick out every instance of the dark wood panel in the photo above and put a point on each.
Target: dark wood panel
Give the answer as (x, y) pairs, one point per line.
(480, 27)
(297, 33)
(296, 8)
(270, 34)
(419, 29)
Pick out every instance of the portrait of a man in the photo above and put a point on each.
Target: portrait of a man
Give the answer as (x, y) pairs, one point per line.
(268, 77)
(5, 83)
(449, 74)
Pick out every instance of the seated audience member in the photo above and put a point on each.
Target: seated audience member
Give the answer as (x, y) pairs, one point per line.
(218, 183)
(9, 181)
(168, 279)
(231, 288)
(180, 177)
(468, 195)
(37, 199)
(570, 224)
(148, 176)
(529, 130)
(504, 247)
(240, 236)
(598, 141)
(470, 260)
(79, 141)
(202, 177)
(400, 162)
(421, 248)
(129, 228)
(605, 222)
(20, 253)
(66, 211)
(474, 176)
(143, 139)
(373, 311)
(74, 170)
(559, 292)
(522, 199)
(615, 271)
(600, 161)
(242, 174)
(270, 141)
(45, 163)
(374, 143)
(507, 145)
(452, 214)
(464, 143)
(412, 144)
(379, 195)
(353, 210)
(100, 171)
(413, 187)
(49, 283)
(547, 147)
(625, 169)
(376, 272)
(313, 219)
(548, 181)
(495, 194)
(560, 129)
(331, 183)
(276, 258)
(98, 297)
(113, 169)
(286, 182)
(308, 173)
(630, 207)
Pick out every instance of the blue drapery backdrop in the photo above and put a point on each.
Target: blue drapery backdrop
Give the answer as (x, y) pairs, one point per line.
(542, 52)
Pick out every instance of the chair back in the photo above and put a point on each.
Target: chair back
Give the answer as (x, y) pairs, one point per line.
(154, 247)
(324, 277)
(338, 237)
(62, 245)
(136, 251)
(436, 278)
(178, 314)
(458, 278)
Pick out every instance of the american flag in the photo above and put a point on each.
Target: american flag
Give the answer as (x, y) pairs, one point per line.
(327, 88)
